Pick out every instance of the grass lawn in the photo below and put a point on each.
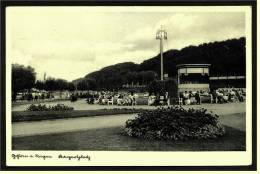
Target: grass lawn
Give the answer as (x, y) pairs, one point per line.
(110, 139)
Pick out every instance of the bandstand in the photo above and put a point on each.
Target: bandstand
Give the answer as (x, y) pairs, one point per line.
(193, 77)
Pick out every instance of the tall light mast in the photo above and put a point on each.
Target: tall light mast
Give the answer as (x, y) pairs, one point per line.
(44, 77)
(161, 35)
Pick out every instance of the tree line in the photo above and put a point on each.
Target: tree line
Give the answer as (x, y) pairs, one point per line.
(113, 77)
(24, 78)
(114, 80)
(226, 58)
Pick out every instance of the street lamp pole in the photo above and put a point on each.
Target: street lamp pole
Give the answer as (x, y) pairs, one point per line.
(161, 35)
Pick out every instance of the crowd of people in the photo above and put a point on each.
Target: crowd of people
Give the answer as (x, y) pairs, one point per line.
(191, 97)
(127, 98)
(225, 95)
(159, 99)
(130, 98)
(221, 95)
(119, 98)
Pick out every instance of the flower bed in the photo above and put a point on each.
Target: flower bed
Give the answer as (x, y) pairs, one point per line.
(174, 123)
(20, 116)
(43, 107)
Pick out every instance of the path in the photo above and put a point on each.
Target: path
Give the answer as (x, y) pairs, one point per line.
(85, 123)
(68, 125)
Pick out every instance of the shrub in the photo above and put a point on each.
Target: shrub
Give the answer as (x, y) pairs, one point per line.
(174, 123)
(73, 98)
(43, 107)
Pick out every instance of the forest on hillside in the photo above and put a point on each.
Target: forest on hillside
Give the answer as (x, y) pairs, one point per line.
(226, 58)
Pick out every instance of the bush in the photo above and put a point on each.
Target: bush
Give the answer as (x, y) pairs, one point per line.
(174, 123)
(40, 107)
(73, 98)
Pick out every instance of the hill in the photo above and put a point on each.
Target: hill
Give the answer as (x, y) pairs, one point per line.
(226, 58)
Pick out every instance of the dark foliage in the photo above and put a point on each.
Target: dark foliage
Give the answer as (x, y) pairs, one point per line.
(39, 85)
(158, 87)
(113, 77)
(73, 98)
(86, 84)
(226, 58)
(174, 123)
(22, 78)
(52, 84)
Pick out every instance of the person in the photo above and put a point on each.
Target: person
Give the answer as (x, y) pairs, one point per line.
(119, 99)
(166, 99)
(220, 96)
(151, 99)
(232, 95)
(239, 96)
(181, 98)
(225, 97)
(131, 99)
(135, 96)
(214, 95)
(186, 98)
(157, 99)
(197, 97)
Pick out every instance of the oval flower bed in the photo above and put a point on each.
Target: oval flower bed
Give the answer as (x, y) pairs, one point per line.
(174, 123)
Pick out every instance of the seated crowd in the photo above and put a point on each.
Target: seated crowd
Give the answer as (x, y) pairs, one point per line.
(127, 99)
(221, 95)
(107, 97)
(224, 95)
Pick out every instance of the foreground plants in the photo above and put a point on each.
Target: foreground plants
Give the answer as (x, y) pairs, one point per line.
(43, 107)
(174, 123)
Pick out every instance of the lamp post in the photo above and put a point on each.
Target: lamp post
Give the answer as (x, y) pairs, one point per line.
(161, 35)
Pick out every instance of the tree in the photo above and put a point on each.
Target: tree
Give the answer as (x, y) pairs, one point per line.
(161, 87)
(171, 86)
(226, 58)
(61, 84)
(86, 84)
(22, 78)
(147, 77)
(50, 84)
(39, 85)
(71, 86)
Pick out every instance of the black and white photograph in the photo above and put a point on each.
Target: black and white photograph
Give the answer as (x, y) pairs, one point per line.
(129, 79)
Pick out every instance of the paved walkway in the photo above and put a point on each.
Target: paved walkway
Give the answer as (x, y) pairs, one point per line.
(86, 123)
(68, 125)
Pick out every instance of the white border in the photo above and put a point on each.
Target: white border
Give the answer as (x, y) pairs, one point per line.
(117, 158)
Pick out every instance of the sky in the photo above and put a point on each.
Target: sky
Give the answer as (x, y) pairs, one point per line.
(71, 42)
